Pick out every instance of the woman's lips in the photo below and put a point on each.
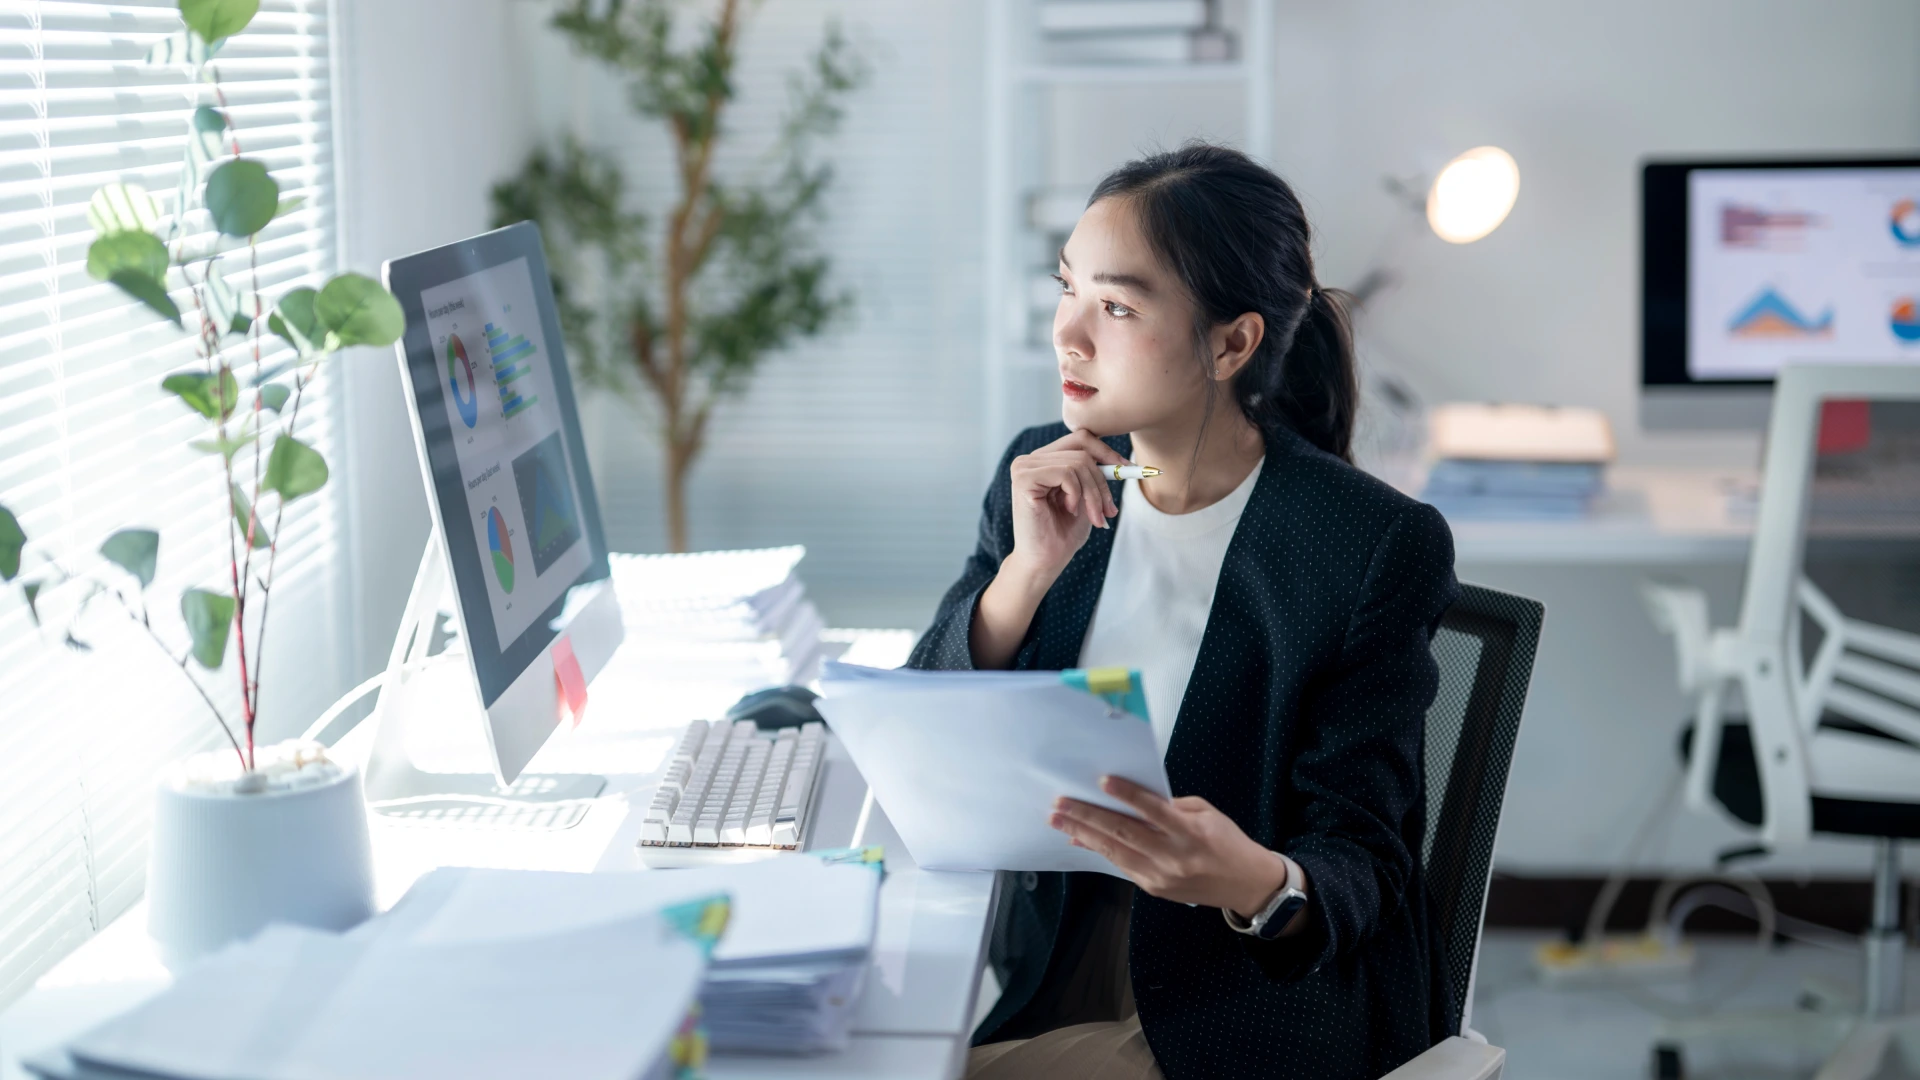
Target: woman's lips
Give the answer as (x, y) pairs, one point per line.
(1078, 391)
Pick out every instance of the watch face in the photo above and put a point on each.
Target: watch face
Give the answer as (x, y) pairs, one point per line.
(1282, 913)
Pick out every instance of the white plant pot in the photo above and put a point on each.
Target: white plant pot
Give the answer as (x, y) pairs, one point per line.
(233, 852)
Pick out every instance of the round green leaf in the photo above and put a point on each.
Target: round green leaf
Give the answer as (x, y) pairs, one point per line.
(274, 396)
(123, 208)
(208, 616)
(241, 197)
(209, 395)
(359, 311)
(294, 469)
(242, 510)
(216, 19)
(294, 321)
(126, 251)
(137, 551)
(12, 539)
(209, 119)
(148, 291)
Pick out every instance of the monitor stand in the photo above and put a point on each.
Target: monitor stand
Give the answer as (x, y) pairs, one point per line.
(432, 759)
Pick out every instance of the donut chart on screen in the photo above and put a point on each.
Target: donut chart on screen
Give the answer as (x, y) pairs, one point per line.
(502, 545)
(1905, 320)
(1904, 223)
(459, 371)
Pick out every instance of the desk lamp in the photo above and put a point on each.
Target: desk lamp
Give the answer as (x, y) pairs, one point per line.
(1466, 200)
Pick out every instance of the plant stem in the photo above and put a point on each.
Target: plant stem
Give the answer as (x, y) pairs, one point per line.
(141, 618)
(300, 381)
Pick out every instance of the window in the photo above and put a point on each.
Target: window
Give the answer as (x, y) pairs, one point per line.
(89, 444)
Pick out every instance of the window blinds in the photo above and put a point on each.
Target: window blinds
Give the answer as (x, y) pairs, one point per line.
(89, 443)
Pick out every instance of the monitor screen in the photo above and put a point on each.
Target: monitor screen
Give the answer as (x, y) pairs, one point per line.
(501, 437)
(1750, 265)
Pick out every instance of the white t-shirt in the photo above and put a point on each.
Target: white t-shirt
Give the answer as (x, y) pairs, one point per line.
(1159, 589)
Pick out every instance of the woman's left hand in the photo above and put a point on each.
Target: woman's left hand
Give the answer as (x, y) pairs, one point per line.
(1182, 849)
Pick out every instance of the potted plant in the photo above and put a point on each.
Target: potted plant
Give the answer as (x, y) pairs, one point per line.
(681, 321)
(246, 834)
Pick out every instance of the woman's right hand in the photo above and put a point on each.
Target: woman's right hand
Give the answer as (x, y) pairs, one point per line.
(1058, 497)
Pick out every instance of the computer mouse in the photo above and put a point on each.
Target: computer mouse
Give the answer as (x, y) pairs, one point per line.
(777, 707)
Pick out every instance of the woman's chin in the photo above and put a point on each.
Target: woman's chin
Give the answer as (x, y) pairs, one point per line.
(1081, 415)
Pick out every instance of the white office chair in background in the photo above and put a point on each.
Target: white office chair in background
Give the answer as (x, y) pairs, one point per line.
(1831, 739)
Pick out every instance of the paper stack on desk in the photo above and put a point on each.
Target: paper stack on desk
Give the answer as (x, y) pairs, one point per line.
(1516, 462)
(301, 1004)
(710, 626)
(785, 977)
(967, 763)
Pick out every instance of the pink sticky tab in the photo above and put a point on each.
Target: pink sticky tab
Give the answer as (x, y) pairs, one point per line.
(573, 685)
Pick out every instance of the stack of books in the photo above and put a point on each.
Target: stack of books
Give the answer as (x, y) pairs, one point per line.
(1133, 32)
(1516, 462)
(703, 629)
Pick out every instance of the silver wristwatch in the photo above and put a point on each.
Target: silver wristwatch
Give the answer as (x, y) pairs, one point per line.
(1275, 914)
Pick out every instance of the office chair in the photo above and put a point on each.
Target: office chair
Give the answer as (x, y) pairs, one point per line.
(1831, 742)
(1485, 648)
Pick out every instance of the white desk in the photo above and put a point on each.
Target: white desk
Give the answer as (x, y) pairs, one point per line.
(916, 1011)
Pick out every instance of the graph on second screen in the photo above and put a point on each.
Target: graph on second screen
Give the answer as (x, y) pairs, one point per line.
(512, 361)
(546, 501)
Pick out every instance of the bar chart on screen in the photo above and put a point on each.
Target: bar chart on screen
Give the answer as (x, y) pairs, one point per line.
(513, 357)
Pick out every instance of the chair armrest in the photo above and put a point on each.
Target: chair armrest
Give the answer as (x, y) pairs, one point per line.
(1453, 1058)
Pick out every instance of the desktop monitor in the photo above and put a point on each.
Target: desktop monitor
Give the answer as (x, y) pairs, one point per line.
(514, 512)
(1749, 265)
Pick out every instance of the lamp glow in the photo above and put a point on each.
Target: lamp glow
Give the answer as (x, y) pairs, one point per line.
(1473, 194)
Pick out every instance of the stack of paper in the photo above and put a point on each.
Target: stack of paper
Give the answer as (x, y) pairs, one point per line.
(967, 764)
(785, 977)
(1517, 461)
(715, 625)
(301, 1004)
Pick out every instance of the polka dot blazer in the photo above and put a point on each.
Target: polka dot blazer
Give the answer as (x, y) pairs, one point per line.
(1303, 722)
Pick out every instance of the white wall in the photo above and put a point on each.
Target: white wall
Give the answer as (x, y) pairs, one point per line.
(432, 112)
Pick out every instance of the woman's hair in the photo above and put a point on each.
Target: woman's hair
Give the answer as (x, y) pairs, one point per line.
(1236, 237)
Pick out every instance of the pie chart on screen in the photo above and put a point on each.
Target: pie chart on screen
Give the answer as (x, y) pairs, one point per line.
(460, 379)
(1905, 320)
(502, 546)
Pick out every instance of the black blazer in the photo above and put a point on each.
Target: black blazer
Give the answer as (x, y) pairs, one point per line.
(1303, 722)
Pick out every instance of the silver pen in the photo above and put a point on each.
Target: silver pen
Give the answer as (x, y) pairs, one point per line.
(1128, 472)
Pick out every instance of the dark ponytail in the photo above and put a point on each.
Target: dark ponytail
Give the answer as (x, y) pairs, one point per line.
(1237, 238)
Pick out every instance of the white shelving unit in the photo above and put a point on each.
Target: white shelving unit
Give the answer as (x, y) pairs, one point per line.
(1020, 86)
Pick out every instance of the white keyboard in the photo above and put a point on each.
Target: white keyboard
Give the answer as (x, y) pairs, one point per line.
(731, 790)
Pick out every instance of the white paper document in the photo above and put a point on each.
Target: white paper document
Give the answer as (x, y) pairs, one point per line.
(780, 908)
(967, 764)
(299, 1004)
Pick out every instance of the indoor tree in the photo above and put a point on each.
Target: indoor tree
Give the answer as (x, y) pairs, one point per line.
(198, 243)
(679, 309)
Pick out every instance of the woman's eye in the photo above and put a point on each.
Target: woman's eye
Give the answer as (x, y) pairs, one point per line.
(1118, 311)
(1065, 288)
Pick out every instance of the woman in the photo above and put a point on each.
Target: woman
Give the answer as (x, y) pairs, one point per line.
(1279, 604)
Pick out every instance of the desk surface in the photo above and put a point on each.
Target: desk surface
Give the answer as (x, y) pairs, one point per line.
(915, 1012)
(1653, 515)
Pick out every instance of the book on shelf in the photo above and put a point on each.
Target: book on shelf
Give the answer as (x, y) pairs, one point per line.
(1084, 16)
(1204, 46)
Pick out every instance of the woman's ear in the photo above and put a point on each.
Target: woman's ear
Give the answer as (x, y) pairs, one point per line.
(1234, 344)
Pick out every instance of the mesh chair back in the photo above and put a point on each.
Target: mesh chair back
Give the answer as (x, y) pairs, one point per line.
(1484, 649)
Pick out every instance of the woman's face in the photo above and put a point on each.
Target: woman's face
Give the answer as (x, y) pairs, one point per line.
(1123, 332)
